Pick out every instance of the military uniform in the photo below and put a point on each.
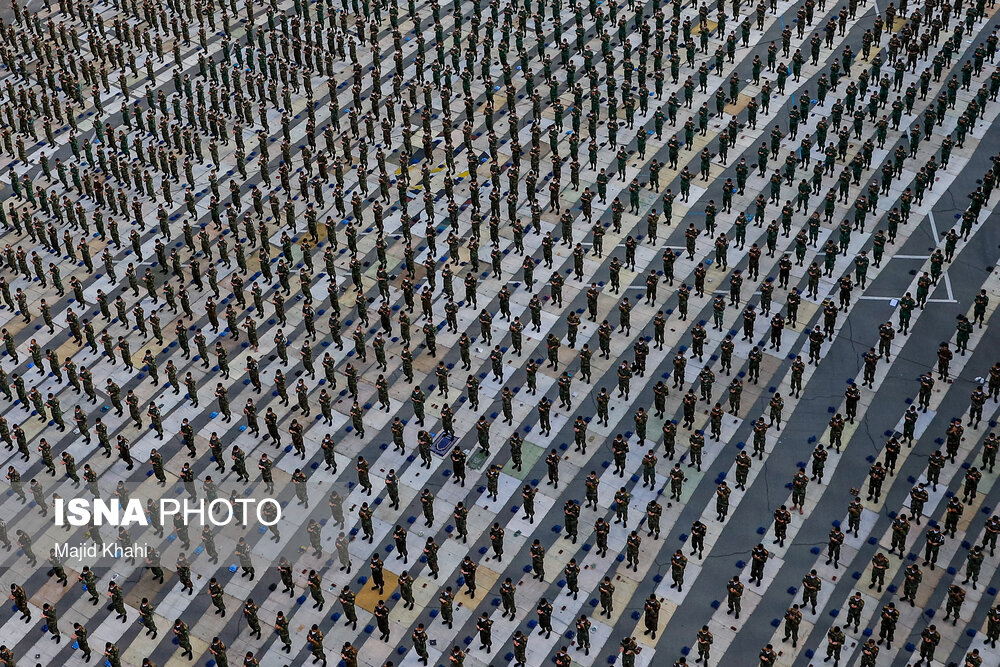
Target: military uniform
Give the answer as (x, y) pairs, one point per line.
(811, 585)
(956, 596)
(889, 618)
(793, 619)
(734, 596)
(911, 582)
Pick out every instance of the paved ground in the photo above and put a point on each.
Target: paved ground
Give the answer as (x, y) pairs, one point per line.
(728, 544)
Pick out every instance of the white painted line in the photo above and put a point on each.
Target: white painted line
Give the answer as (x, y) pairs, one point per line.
(894, 298)
(930, 216)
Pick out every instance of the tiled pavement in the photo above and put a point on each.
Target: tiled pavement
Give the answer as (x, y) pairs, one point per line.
(727, 545)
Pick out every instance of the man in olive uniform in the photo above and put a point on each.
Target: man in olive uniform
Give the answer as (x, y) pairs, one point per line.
(20, 599)
(918, 497)
(346, 598)
(57, 568)
(734, 590)
(507, 591)
(698, 532)
(911, 582)
(314, 530)
(722, 494)
(782, 517)
(112, 654)
(381, 613)
(250, 614)
(223, 396)
(758, 559)
(793, 619)
(993, 626)
(935, 539)
(973, 564)
(365, 514)
(184, 574)
(651, 614)
(417, 398)
(811, 585)
(392, 488)
(520, 648)
(653, 512)
(606, 591)
(854, 515)
(406, 589)
(80, 636)
(468, 569)
(833, 544)
(218, 649)
(446, 600)
(156, 459)
(239, 464)
(602, 400)
(837, 425)
(800, 482)
(243, 556)
(218, 597)
(146, 617)
(544, 612)
(880, 563)
(281, 627)
(427, 505)
(430, 553)
(889, 617)
(315, 642)
(51, 619)
(183, 638)
(461, 516)
(364, 480)
(528, 501)
(424, 442)
(592, 484)
(571, 517)
(676, 482)
(929, 639)
(632, 543)
(419, 637)
(834, 644)
(485, 627)
(743, 465)
(117, 601)
(855, 605)
(924, 393)
(266, 467)
(493, 481)
(990, 447)
(705, 640)
(572, 573)
(956, 596)
(992, 530)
